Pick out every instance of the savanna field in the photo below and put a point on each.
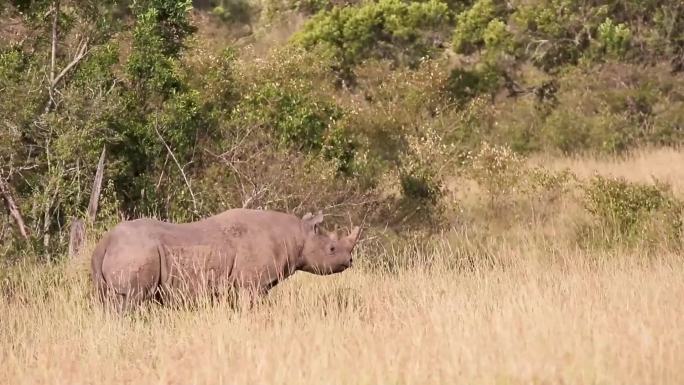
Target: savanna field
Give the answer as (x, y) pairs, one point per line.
(523, 307)
(517, 168)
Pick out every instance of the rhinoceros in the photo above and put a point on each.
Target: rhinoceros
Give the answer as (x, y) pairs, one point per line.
(243, 249)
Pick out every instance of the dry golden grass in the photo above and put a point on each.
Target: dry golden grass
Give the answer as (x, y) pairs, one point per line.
(527, 309)
(645, 166)
(571, 319)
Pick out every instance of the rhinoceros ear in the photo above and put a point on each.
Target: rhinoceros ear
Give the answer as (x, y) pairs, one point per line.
(312, 222)
(353, 237)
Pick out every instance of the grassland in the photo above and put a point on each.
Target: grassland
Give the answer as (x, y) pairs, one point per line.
(526, 307)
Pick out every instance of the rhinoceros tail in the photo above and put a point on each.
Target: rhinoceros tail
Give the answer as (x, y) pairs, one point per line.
(96, 266)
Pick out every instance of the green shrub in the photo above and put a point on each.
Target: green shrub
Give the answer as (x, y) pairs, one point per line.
(383, 29)
(419, 177)
(232, 10)
(614, 38)
(555, 33)
(300, 122)
(297, 120)
(464, 85)
(633, 213)
(150, 64)
(496, 36)
(478, 25)
(421, 174)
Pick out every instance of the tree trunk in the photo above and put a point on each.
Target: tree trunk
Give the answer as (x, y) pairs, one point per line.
(76, 237)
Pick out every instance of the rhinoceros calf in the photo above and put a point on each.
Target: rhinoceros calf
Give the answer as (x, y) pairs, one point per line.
(239, 248)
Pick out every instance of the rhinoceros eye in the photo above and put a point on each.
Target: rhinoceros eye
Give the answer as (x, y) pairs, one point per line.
(332, 249)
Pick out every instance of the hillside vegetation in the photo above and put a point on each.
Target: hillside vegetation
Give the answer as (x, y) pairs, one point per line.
(376, 111)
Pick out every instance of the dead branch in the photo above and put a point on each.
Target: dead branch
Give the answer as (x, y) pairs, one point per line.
(185, 178)
(97, 187)
(161, 175)
(80, 54)
(255, 195)
(53, 53)
(81, 51)
(12, 208)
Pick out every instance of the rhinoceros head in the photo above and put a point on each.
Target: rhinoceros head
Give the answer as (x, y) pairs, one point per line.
(325, 253)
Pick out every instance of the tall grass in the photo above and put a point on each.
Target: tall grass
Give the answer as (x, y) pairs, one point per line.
(524, 307)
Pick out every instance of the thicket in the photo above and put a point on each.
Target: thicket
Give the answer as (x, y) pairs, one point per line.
(370, 110)
(633, 213)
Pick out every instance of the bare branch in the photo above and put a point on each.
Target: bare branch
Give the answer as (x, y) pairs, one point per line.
(255, 194)
(54, 80)
(161, 175)
(12, 208)
(185, 178)
(53, 54)
(80, 53)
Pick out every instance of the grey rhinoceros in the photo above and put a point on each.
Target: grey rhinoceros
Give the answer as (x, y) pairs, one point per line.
(248, 250)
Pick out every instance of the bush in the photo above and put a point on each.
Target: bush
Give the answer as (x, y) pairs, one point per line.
(608, 108)
(614, 38)
(419, 179)
(190, 131)
(497, 169)
(479, 25)
(393, 29)
(633, 213)
(464, 85)
(290, 109)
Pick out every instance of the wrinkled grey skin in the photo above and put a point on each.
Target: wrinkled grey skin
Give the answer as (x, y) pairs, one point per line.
(248, 250)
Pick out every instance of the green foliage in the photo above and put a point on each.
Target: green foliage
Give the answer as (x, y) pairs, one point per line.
(163, 23)
(633, 212)
(614, 38)
(464, 85)
(608, 108)
(300, 122)
(11, 63)
(97, 67)
(385, 29)
(496, 36)
(480, 25)
(297, 120)
(191, 130)
(232, 10)
(161, 26)
(281, 101)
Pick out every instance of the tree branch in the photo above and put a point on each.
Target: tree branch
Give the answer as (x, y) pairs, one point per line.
(81, 52)
(12, 208)
(185, 178)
